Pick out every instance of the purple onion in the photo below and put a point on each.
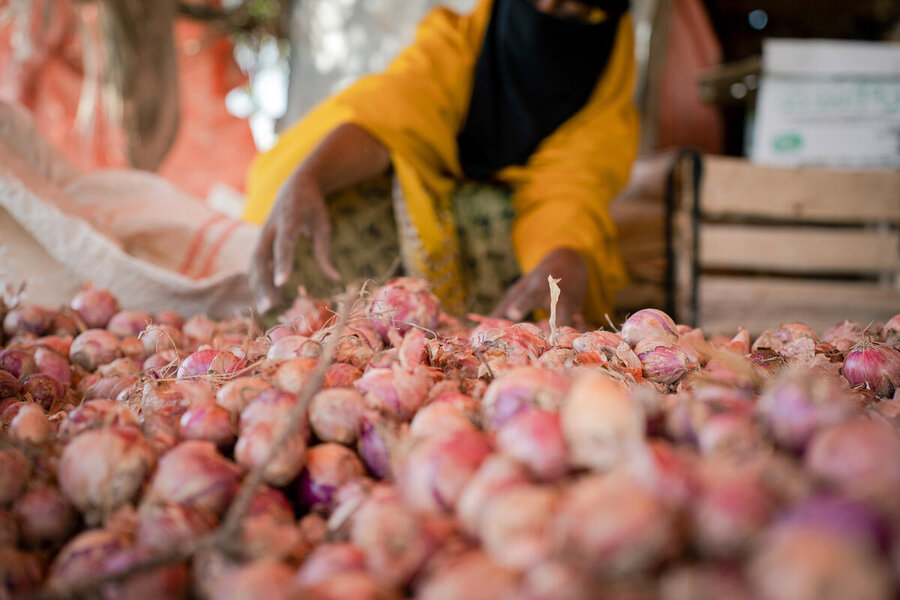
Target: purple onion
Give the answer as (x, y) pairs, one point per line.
(875, 365)
(328, 467)
(401, 304)
(95, 414)
(846, 518)
(52, 364)
(9, 385)
(534, 437)
(21, 572)
(205, 362)
(18, 363)
(44, 517)
(519, 388)
(195, 474)
(161, 338)
(329, 559)
(662, 361)
(31, 319)
(646, 323)
(13, 474)
(93, 348)
(42, 389)
(171, 318)
(84, 556)
(161, 583)
(166, 525)
(128, 323)
(376, 439)
(9, 529)
(95, 306)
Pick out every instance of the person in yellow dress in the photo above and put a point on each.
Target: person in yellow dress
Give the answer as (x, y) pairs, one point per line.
(533, 95)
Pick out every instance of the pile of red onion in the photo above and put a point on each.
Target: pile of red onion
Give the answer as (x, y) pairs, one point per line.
(438, 460)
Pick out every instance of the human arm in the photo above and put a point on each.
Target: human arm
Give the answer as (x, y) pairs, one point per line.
(345, 157)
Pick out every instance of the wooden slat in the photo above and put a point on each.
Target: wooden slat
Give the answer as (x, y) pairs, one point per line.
(763, 303)
(799, 249)
(735, 187)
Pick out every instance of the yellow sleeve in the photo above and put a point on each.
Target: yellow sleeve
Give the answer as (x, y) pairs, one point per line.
(414, 108)
(562, 195)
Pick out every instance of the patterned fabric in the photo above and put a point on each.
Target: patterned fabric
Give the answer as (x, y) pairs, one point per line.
(366, 245)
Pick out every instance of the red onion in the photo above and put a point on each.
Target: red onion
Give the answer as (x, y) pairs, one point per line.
(803, 563)
(166, 582)
(21, 573)
(272, 407)
(335, 415)
(291, 375)
(95, 307)
(378, 437)
(496, 474)
(93, 348)
(799, 402)
(44, 517)
(534, 437)
(18, 363)
(128, 323)
(159, 338)
(256, 442)
(358, 585)
(356, 346)
(164, 526)
(517, 345)
(517, 526)
(9, 530)
(209, 362)
(437, 470)
(84, 556)
(848, 519)
(261, 579)
(473, 576)
(195, 474)
(875, 365)
(9, 385)
(598, 343)
(170, 317)
(28, 319)
(554, 580)
(601, 423)
(700, 581)
(395, 392)
(861, 457)
(235, 395)
(730, 435)
(198, 331)
(328, 560)
(438, 419)
(162, 365)
(401, 304)
(43, 390)
(50, 363)
(668, 473)
(95, 414)
(102, 469)
(341, 375)
(121, 367)
(728, 514)
(647, 323)
(13, 474)
(307, 314)
(268, 529)
(314, 528)
(453, 357)
(328, 467)
(208, 422)
(615, 526)
(663, 361)
(519, 388)
(159, 395)
(391, 537)
(293, 346)
(31, 426)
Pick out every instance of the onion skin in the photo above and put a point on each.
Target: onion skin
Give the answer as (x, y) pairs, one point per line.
(519, 388)
(44, 517)
(9, 530)
(335, 415)
(102, 469)
(401, 304)
(328, 560)
(129, 323)
(875, 365)
(293, 346)
(255, 443)
(162, 583)
(208, 362)
(194, 474)
(534, 437)
(13, 474)
(28, 319)
(208, 422)
(93, 348)
(646, 323)
(50, 363)
(84, 556)
(9, 385)
(328, 467)
(95, 307)
(164, 526)
(18, 363)
(517, 526)
(235, 395)
(261, 579)
(31, 426)
(473, 576)
(662, 361)
(496, 474)
(21, 573)
(159, 338)
(95, 414)
(42, 389)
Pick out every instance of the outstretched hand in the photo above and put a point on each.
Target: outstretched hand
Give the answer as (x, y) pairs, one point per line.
(299, 210)
(531, 290)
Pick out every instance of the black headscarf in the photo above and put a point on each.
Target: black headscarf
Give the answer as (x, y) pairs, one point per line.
(535, 71)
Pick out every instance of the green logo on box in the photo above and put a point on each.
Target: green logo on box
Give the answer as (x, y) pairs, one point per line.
(789, 142)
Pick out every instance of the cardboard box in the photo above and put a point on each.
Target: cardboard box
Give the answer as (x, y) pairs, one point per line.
(828, 103)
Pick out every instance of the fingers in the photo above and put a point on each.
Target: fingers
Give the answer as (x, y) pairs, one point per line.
(284, 245)
(262, 285)
(321, 238)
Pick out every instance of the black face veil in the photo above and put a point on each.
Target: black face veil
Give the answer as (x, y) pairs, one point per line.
(535, 71)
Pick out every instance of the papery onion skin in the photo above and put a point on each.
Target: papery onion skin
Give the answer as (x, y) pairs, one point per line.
(195, 474)
(13, 474)
(44, 517)
(31, 425)
(328, 467)
(662, 361)
(335, 415)
(206, 362)
(401, 304)
(29, 318)
(18, 363)
(102, 469)
(875, 365)
(649, 322)
(93, 348)
(95, 306)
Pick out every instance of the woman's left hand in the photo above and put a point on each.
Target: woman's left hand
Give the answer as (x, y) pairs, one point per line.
(532, 291)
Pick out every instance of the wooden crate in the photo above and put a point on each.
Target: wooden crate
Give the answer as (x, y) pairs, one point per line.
(757, 246)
